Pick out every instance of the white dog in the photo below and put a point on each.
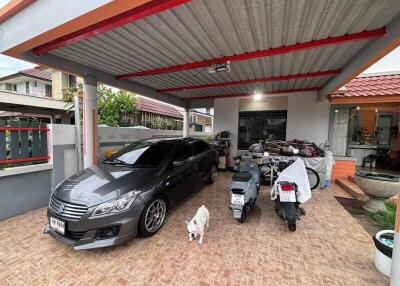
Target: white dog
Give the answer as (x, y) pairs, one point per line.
(197, 224)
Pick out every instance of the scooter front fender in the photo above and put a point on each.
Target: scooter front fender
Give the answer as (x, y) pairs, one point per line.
(237, 211)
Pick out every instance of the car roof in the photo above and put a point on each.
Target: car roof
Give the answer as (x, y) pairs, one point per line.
(172, 140)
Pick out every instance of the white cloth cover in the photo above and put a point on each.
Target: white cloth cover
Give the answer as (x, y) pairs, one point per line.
(318, 164)
(297, 173)
(329, 164)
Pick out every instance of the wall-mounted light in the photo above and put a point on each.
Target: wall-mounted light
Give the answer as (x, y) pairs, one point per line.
(336, 110)
(257, 95)
(376, 110)
(358, 108)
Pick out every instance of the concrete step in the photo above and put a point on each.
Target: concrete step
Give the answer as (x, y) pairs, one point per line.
(352, 189)
(352, 179)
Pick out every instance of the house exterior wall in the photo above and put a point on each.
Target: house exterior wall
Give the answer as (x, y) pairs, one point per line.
(272, 103)
(226, 117)
(306, 119)
(21, 87)
(59, 83)
(38, 90)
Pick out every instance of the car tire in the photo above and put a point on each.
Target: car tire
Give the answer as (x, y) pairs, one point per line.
(212, 176)
(153, 216)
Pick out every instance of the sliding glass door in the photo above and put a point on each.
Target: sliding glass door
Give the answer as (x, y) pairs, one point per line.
(260, 125)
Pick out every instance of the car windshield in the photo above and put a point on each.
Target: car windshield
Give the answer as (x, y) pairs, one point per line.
(141, 154)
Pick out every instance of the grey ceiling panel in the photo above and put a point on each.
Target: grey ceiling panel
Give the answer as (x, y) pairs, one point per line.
(206, 29)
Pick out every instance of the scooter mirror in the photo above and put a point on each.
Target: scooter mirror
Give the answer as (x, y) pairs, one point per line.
(266, 154)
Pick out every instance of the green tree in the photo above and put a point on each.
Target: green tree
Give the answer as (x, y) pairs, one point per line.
(114, 107)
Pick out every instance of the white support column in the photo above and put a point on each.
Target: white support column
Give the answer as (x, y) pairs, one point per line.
(395, 275)
(186, 120)
(90, 142)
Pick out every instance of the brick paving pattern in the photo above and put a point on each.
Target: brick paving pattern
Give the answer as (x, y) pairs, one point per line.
(329, 248)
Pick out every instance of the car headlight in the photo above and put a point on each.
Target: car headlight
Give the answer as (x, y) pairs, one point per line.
(117, 205)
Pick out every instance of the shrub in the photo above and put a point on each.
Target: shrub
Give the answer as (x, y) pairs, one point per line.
(386, 219)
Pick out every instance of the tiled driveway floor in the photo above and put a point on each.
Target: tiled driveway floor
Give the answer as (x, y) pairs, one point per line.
(329, 248)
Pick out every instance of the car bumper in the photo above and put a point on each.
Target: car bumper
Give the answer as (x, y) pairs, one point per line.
(84, 234)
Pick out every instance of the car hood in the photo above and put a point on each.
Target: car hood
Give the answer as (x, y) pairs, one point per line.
(101, 183)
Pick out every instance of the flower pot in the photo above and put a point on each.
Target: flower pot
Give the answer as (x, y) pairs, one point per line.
(384, 241)
(379, 187)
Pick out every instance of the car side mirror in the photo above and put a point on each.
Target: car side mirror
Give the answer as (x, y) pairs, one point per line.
(178, 163)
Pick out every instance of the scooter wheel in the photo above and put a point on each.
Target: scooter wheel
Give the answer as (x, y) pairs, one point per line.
(242, 219)
(292, 227)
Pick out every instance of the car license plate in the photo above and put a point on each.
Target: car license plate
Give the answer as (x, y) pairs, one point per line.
(237, 199)
(57, 225)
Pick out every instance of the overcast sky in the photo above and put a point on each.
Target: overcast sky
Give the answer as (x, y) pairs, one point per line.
(10, 65)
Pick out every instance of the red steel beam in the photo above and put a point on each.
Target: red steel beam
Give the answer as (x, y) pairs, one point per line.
(130, 16)
(263, 53)
(16, 129)
(24, 160)
(250, 94)
(249, 81)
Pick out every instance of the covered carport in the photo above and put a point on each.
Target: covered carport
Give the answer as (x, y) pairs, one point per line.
(180, 51)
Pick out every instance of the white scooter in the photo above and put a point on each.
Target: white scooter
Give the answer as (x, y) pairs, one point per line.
(290, 190)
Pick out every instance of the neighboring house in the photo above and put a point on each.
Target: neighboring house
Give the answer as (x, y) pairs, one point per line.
(36, 82)
(201, 120)
(155, 114)
(46, 83)
(29, 94)
(365, 117)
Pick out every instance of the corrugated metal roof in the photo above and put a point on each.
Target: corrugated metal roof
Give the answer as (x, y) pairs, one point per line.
(383, 85)
(45, 75)
(206, 29)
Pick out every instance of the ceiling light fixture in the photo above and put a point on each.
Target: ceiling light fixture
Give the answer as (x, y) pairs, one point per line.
(224, 67)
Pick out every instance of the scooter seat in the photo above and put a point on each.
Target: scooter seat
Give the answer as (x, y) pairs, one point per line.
(242, 177)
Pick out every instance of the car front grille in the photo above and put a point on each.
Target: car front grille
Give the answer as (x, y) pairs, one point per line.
(69, 211)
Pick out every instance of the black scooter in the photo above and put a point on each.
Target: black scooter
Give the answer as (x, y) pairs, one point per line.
(286, 204)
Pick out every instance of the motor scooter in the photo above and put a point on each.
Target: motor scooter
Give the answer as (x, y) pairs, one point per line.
(244, 188)
(290, 190)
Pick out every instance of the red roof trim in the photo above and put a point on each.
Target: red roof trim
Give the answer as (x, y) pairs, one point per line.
(250, 81)
(263, 53)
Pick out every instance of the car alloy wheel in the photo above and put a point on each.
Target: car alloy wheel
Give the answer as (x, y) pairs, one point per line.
(155, 215)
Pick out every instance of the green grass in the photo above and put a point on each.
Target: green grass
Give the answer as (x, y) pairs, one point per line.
(385, 219)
